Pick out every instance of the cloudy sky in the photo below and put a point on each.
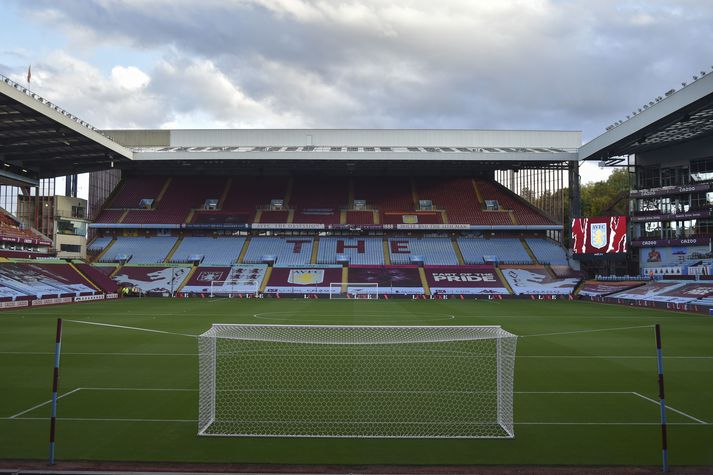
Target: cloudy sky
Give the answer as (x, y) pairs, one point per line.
(490, 64)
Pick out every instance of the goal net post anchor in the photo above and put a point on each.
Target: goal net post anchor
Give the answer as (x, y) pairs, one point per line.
(356, 381)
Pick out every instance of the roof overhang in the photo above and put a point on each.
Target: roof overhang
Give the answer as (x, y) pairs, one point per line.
(40, 140)
(680, 116)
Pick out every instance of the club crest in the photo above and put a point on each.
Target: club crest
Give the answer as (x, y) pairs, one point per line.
(598, 235)
(306, 276)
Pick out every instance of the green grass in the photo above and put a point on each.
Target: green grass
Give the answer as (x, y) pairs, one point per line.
(580, 397)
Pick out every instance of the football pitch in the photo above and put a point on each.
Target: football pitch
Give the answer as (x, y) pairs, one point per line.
(585, 383)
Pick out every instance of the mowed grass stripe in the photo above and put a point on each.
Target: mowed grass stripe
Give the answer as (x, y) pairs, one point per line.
(577, 428)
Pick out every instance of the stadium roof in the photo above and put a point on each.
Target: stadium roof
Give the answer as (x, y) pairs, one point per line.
(677, 116)
(39, 139)
(346, 150)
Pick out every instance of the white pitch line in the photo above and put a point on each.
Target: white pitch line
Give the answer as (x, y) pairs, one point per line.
(194, 421)
(622, 357)
(587, 331)
(670, 408)
(142, 389)
(43, 404)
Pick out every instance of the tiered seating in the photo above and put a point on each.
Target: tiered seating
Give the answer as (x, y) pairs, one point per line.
(137, 188)
(360, 217)
(318, 200)
(464, 280)
(475, 250)
(274, 216)
(221, 280)
(384, 193)
(10, 227)
(457, 197)
(361, 250)
(98, 244)
(183, 194)
(393, 280)
(524, 214)
(217, 251)
(302, 281)
(41, 280)
(247, 193)
(287, 251)
(142, 250)
(109, 216)
(152, 280)
(99, 278)
(435, 251)
(535, 280)
(547, 251)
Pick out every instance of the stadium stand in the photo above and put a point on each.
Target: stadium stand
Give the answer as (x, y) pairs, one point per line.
(504, 250)
(216, 251)
(286, 251)
(141, 250)
(464, 280)
(274, 216)
(152, 280)
(547, 251)
(134, 189)
(456, 196)
(360, 217)
(98, 278)
(110, 216)
(658, 291)
(183, 195)
(313, 280)
(434, 251)
(391, 279)
(234, 279)
(524, 213)
(384, 193)
(596, 288)
(318, 200)
(534, 280)
(361, 250)
(246, 194)
(98, 244)
(41, 280)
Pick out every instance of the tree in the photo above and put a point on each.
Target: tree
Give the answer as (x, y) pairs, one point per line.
(608, 197)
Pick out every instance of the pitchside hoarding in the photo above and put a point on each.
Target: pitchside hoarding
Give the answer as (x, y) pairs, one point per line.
(599, 235)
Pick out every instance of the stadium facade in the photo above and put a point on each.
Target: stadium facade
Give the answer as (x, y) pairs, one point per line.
(417, 212)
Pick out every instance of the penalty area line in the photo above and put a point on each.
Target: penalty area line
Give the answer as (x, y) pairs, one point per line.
(15, 416)
(669, 408)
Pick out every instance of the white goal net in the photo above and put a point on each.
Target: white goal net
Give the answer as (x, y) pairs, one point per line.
(233, 288)
(353, 290)
(356, 381)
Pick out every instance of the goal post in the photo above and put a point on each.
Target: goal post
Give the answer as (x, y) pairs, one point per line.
(356, 381)
(354, 290)
(233, 288)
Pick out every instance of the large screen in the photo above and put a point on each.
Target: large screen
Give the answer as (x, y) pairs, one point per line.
(599, 235)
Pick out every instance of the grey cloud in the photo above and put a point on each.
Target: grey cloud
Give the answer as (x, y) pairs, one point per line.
(519, 64)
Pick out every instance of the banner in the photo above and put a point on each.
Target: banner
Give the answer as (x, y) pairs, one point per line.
(464, 280)
(53, 301)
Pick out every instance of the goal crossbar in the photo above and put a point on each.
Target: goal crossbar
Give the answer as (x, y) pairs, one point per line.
(356, 381)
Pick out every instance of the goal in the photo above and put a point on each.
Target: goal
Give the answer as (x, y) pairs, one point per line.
(356, 381)
(233, 288)
(352, 290)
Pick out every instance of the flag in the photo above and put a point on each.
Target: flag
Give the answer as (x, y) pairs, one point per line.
(29, 73)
